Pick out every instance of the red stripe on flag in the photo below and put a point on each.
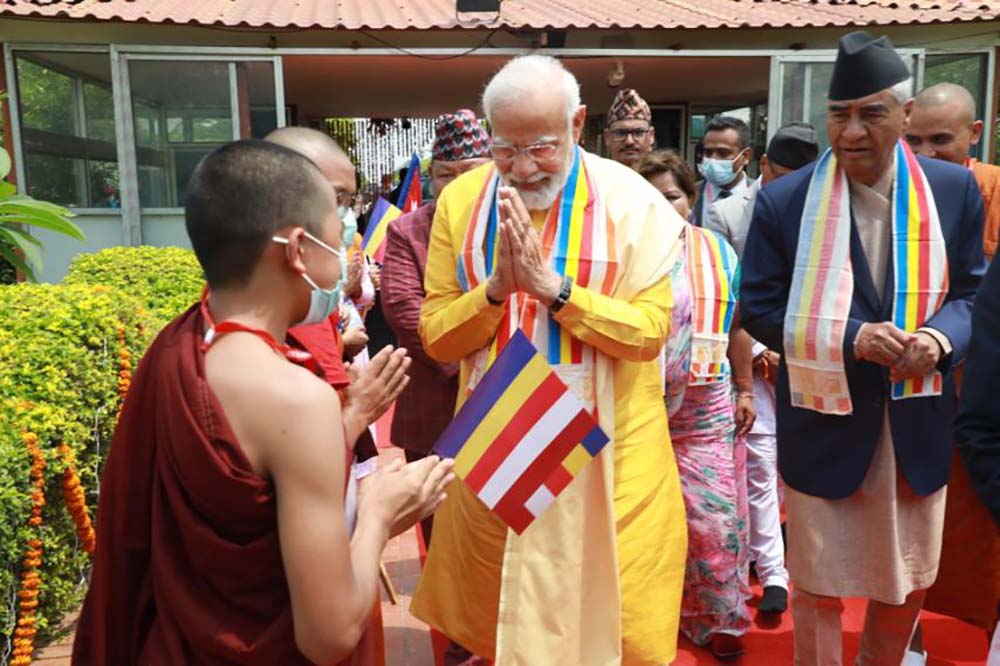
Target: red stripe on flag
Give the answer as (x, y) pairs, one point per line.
(516, 516)
(534, 407)
(540, 470)
(559, 479)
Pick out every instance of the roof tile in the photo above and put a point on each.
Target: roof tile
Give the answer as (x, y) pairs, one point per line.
(440, 14)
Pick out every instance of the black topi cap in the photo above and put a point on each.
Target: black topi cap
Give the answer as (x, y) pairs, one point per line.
(793, 146)
(865, 66)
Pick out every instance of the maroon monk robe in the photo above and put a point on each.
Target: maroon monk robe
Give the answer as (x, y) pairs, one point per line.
(188, 567)
(323, 341)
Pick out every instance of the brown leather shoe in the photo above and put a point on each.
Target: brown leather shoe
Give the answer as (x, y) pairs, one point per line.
(726, 646)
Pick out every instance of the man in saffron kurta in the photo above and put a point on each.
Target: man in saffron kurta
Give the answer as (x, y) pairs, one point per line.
(551, 595)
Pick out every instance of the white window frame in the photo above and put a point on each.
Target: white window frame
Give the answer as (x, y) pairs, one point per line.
(814, 56)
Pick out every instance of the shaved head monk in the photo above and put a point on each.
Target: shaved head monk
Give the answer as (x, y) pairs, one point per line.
(943, 125)
(222, 531)
(323, 339)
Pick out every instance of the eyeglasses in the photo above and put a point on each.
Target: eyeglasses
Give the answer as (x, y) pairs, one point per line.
(347, 199)
(621, 135)
(538, 152)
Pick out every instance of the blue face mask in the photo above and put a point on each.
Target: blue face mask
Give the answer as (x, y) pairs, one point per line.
(718, 172)
(350, 222)
(322, 302)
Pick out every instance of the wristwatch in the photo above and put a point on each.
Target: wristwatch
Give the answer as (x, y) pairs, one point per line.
(563, 297)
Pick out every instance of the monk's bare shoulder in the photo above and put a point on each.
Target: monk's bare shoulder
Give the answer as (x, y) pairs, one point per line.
(268, 401)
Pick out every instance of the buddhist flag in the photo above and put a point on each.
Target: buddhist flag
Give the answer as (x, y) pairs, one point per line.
(378, 222)
(521, 437)
(410, 197)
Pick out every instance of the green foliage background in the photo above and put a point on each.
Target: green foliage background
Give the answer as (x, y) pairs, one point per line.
(59, 368)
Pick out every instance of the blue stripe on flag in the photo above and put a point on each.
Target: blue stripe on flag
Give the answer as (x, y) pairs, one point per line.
(508, 365)
(412, 172)
(595, 441)
(378, 212)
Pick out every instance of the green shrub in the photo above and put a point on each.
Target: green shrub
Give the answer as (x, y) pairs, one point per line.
(59, 372)
(165, 280)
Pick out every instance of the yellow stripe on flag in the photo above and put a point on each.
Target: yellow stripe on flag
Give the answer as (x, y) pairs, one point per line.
(380, 231)
(533, 374)
(577, 460)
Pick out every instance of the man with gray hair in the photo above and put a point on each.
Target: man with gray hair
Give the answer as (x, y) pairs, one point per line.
(860, 270)
(574, 251)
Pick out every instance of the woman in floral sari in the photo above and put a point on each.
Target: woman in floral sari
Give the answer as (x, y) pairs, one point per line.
(707, 355)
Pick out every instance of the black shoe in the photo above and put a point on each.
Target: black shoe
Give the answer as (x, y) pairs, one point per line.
(775, 600)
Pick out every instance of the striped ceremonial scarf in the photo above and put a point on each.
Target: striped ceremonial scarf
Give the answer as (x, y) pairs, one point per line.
(823, 281)
(711, 264)
(577, 238)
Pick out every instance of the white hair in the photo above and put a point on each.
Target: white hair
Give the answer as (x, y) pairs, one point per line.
(903, 90)
(524, 77)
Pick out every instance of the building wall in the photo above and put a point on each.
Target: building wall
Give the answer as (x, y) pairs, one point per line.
(165, 226)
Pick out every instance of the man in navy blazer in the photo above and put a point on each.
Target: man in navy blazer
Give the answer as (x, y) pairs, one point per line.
(866, 500)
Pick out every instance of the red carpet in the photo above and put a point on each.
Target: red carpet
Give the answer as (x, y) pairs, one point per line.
(947, 641)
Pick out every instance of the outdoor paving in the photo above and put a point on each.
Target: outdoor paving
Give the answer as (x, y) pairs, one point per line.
(407, 641)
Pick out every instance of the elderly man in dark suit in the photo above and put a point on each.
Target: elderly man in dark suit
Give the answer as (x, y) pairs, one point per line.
(861, 271)
(428, 402)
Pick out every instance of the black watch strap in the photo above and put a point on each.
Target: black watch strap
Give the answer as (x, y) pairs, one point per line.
(563, 297)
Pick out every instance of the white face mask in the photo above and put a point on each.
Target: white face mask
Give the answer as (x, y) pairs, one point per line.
(322, 302)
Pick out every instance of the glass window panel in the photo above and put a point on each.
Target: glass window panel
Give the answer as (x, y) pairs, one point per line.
(263, 116)
(183, 110)
(805, 86)
(968, 70)
(187, 113)
(100, 115)
(218, 130)
(68, 127)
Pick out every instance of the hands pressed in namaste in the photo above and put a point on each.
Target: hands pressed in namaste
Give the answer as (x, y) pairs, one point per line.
(906, 355)
(521, 264)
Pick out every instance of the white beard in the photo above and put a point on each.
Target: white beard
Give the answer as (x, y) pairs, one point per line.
(543, 198)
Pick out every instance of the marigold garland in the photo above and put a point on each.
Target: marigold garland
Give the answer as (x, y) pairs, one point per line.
(76, 501)
(125, 366)
(31, 582)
